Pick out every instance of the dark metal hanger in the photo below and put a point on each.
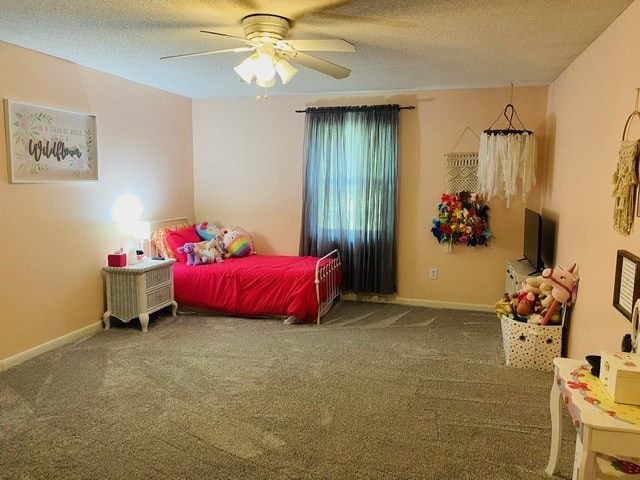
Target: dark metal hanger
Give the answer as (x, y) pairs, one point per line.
(508, 112)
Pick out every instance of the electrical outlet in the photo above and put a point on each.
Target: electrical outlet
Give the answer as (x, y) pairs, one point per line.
(433, 273)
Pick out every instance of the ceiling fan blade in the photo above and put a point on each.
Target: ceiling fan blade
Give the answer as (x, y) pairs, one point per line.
(321, 45)
(322, 66)
(243, 40)
(210, 52)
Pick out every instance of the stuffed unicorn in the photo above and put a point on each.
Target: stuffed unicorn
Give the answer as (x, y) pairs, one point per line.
(564, 287)
(562, 282)
(210, 252)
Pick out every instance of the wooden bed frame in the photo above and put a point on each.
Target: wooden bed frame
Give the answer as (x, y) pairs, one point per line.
(326, 276)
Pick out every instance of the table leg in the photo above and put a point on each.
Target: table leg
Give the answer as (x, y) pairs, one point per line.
(174, 308)
(586, 469)
(144, 321)
(555, 407)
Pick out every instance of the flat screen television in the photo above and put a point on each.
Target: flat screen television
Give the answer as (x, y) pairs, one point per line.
(548, 241)
(532, 249)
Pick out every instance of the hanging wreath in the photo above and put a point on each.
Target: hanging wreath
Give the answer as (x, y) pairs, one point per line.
(462, 218)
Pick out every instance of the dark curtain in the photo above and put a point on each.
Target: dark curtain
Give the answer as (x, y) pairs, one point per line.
(350, 193)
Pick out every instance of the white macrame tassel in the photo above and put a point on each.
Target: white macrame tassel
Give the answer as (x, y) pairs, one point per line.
(502, 160)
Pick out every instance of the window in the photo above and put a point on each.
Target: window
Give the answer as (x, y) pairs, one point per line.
(350, 192)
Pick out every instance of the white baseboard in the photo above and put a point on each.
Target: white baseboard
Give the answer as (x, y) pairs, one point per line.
(45, 347)
(421, 303)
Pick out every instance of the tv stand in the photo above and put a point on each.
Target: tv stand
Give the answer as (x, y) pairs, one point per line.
(535, 272)
(517, 272)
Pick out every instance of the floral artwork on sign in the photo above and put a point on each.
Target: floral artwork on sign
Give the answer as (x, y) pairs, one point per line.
(462, 218)
(49, 145)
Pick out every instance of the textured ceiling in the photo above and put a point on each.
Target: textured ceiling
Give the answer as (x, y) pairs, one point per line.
(401, 45)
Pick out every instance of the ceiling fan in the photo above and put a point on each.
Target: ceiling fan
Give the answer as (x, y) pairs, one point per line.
(266, 35)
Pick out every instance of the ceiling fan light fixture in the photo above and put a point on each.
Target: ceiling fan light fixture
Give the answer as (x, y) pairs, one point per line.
(246, 69)
(263, 68)
(270, 82)
(285, 70)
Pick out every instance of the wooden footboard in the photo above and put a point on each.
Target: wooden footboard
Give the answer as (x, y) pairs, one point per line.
(327, 282)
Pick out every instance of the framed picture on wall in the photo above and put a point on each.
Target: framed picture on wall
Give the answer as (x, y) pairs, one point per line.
(626, 288)
(49, 145)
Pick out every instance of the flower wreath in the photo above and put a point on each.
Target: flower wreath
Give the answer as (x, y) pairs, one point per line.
(462, 218)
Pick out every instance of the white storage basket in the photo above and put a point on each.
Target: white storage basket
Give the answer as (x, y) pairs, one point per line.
(531, 346)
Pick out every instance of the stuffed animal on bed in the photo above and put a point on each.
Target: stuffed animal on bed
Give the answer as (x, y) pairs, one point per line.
(210, 252)
(208, 231)
(192, 255)
(237, 242)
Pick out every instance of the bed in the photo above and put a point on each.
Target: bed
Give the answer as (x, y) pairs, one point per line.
(298, 289)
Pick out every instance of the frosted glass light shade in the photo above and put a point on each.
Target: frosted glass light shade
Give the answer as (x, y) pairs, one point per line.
(263, 68)
(285, 70)
(260, 66)
(267, 83)
(246, 70)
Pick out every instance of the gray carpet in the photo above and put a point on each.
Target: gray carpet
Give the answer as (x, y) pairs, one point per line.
(376, 392)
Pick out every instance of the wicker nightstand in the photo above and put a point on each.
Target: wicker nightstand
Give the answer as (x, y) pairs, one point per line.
(138, 290)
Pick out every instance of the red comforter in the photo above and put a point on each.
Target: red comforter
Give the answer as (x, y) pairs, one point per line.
(257, 285)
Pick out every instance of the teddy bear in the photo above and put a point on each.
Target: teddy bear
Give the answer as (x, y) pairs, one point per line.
(546, 299)
(541, 288)
(534, 283)
(192, 256)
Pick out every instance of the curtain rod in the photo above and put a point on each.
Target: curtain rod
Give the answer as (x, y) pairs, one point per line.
(409, 107)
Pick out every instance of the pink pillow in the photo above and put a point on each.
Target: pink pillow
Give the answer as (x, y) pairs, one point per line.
(159, 239)
(177, 238)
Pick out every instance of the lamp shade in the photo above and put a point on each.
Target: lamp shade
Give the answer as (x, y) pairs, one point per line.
(266, 83)
(246, 69)
(263, 68)
(285, 70)
(141, 230)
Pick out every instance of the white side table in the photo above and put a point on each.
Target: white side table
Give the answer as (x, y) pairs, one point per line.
(603, 426)
(138, 290)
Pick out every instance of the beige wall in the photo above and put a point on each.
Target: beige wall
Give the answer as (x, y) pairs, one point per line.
(55, 237)
(240, 163)
(588, 106)
(248, 171)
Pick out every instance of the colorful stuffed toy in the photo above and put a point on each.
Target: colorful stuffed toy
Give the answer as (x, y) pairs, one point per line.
(192, 256)
(237, 242)
(504, 307)
(210, 252)
(208, 231)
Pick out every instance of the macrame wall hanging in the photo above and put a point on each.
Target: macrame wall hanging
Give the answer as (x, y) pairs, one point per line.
(506, 156)
(461, 168)
(625, 178)
(462, 215)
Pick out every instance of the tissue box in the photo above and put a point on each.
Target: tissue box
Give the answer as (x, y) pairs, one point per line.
(117, 259)
(620, 375)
